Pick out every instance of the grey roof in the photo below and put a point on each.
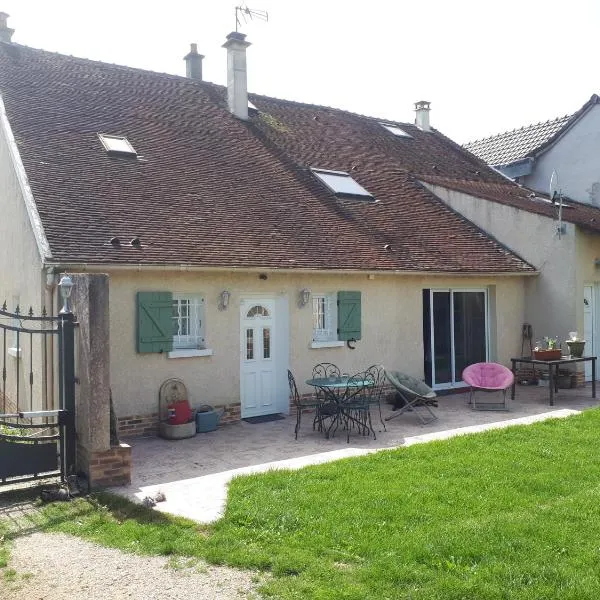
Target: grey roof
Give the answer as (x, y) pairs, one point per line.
(506, 148)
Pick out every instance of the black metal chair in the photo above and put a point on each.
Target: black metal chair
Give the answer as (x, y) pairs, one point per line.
(302, 404)
(375, 393)
(354, 405)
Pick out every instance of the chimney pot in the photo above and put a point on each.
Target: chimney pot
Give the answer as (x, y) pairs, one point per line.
(5, 31)
(193, 63)
(237, 77)
(422, 115)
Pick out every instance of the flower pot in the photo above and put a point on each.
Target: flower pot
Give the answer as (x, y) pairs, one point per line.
(546, 354)
(576, 348)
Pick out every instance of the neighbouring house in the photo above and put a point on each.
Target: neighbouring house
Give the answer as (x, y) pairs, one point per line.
(568, 145)
(565, 248)
(245, 235)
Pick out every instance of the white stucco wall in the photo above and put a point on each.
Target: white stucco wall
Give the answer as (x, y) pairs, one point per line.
(552, 297)
(575, 158)
(392, 329)
(20, 262)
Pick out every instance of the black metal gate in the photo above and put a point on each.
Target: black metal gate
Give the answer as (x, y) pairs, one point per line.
(37, 396)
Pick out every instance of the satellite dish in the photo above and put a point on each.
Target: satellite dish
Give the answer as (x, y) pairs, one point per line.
(553, 191)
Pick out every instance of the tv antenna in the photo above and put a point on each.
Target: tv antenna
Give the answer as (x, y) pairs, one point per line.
(248, 14)
(556, 196)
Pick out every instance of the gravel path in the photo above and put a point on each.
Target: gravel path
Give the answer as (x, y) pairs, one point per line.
(56, 566)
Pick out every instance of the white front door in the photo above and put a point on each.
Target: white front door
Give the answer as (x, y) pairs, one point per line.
(257, 372)
(588, 327)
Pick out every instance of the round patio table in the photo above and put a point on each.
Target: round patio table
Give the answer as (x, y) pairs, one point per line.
(338, 393)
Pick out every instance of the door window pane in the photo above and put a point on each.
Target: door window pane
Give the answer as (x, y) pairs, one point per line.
(442, 337)
(249, 344)
(469, 330)
(266, 342)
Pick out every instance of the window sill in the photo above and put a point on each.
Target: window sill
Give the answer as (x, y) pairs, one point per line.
(190, 353)
(332, 344)
(16, 352)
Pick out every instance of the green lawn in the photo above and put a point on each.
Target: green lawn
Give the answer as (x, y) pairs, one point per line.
(506, 514)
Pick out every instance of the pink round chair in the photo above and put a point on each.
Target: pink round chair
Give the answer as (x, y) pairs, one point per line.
(488, 377)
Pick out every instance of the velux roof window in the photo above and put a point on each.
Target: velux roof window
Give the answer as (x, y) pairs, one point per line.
(395, 130)
(341, 184)
(117, 144)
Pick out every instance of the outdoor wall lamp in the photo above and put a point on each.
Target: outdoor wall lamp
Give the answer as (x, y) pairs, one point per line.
(304, 297)
(225, 295)
(65, 286)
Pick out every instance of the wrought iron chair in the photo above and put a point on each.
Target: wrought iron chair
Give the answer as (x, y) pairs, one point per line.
(416, 394)
(323, 371)
(354, 406)
(376, 392)
(302, 404)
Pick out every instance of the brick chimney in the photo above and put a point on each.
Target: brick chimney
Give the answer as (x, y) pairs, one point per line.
(193, 63)
(237, 79)
(5, 31)
(422, 115)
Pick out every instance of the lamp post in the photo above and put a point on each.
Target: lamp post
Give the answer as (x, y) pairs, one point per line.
(65, 286)
(66, 382)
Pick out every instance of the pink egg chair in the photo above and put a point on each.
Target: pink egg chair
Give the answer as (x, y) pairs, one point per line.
(488, 377)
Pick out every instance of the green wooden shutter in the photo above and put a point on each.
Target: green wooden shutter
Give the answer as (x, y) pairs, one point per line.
(349, 315)
(154, 322)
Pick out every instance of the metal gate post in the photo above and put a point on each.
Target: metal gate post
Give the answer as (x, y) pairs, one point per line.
(66, 350)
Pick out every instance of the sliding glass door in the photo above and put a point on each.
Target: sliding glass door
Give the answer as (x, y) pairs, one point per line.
(455, 331)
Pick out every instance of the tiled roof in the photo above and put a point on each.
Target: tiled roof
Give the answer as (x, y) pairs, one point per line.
(584, 215)
(506, 148)
(209, 190)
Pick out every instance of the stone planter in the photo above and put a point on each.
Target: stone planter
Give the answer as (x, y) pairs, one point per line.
(177, 432)
(576, 348)
(546, 354)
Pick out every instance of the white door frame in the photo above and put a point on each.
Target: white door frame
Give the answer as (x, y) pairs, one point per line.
(280, 348)
(591, 292)
(454, 383)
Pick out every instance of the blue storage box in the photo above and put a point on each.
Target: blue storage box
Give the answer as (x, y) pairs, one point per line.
(207, 421)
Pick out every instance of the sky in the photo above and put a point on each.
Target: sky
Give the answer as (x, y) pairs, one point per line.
(485, 67)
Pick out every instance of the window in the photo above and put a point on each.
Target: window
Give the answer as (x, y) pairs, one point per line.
(341, 183)
(336, 318)
(188, 322)
(171, 323)
(117, 144)
(324, 318)
(395, 130)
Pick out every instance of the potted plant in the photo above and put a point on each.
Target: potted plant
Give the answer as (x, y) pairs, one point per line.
(547, 350)
(576, 345)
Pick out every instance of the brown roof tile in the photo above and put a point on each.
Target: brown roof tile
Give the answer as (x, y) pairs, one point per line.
(510, 194)
(209, 190)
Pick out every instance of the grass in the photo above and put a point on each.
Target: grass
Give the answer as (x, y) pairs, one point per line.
(509, 514)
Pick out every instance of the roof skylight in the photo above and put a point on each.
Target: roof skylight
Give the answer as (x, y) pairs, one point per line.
(117, 144)
(395, 130)
(341, 183)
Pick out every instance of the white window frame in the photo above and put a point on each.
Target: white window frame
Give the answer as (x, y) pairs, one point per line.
(342, 184)
(117, 144)
(192, 343)
(325, 337)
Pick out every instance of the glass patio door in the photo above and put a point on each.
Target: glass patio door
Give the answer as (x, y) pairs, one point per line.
(455, 331)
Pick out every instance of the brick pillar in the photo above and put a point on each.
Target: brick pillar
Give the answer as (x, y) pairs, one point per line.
(103, 464)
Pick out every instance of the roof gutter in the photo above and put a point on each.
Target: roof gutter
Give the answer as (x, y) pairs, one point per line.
(104, 267)
(34, 216)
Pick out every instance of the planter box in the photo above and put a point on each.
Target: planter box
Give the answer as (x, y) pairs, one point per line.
(547, 354)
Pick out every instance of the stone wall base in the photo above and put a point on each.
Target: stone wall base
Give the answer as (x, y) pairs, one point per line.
(147, 425)
(108, 468)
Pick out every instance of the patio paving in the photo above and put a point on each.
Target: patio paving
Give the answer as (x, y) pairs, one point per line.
(193, 473)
